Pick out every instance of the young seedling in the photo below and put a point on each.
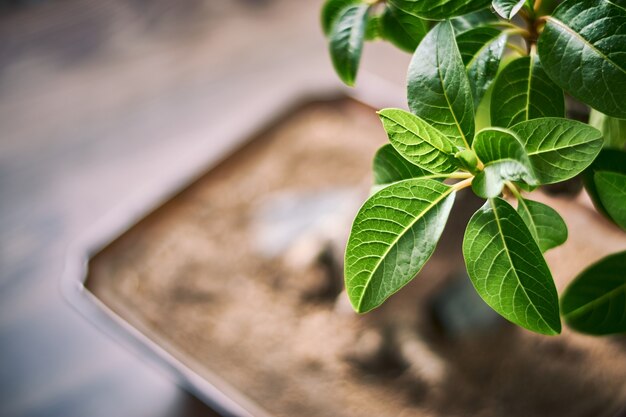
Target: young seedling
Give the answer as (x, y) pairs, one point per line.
(527, 54)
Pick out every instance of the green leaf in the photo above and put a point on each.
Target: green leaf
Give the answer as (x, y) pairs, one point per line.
(508, 8)
(438, 88)
(583, 49)
(472, 20)
(544, 223)
(346, 41)
(612, 191)
(611, 160)
(613, 129)
(440, 9)
(392, 237)
(331, 10)
(559, 149)
(481, 50)
(373, 28)
(418, 142)
(389, 167)
(508, 270)
(523, 91)
(402, 29)
(595, 301)
(505, 160)
(467, 159)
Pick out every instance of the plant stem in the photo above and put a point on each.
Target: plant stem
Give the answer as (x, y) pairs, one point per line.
(463, 184)
(516, 48)
(516, 193)
(454, 175)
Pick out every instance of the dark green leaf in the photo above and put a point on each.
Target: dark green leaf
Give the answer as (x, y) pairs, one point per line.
(346, 41)
(402, 29)
(611, 160)
(505, 160)
(611, 188)
(508, 8)
(558, 149)
(418, 142)
(583, 49)
(392, 237)
(544, 223)
(613, 129)
(438, 88)
(508, 270)
(440, 9)
(331, 10)
(595, 302)
(472, 20)
(389, 167)
(481, 50)
(523, 91)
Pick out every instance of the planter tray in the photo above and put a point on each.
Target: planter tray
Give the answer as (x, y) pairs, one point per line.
(231, 286)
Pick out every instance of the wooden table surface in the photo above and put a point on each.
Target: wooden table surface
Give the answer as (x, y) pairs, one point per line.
(99, 103)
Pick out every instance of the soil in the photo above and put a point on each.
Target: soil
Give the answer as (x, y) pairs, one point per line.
(197, 277)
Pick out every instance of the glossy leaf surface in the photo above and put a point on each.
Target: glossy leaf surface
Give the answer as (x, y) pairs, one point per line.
(440, 9)
(508, 8)
(504, 158)
(508, 270)
(481, 50)
(558, 149)
(471, 20)
(611, 160)
(418, 142)
(523, 91)
(346, 41)
(612, 191)
(583, 49)
(402, 29)
(544, 223)
(595, 301)
(439, 91)
(331, 10)
(393, 235)
(389, 166)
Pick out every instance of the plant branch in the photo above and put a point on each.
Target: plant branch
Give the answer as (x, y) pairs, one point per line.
(463, 184)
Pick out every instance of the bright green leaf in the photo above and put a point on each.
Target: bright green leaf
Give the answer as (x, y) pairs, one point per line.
(392, 237)
(523, 91)
(346, 41)
(508, 8)
(544, 223)
(508, 270)
(438, 88)
(467, 159)
(611, 160)
(595, 302)
(481, 50)
(440, 9)
(389, 167)
(418, 142)
(402, 29)
(611, 188)
(583, 49)
(558, 149)
(613, 129)
(331, 10)
(504, 158)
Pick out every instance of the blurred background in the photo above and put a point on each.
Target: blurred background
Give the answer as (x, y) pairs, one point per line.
(103, 102)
